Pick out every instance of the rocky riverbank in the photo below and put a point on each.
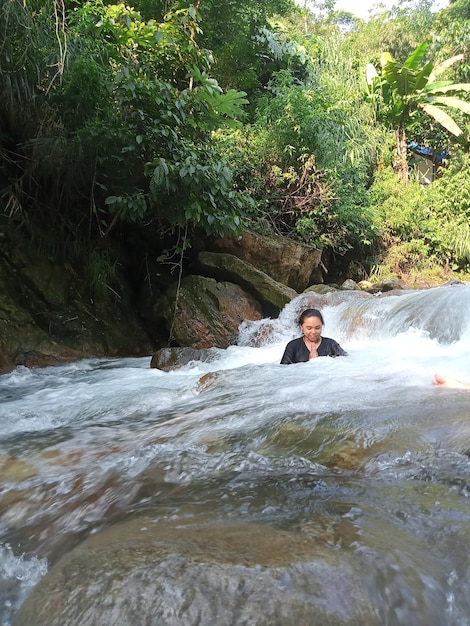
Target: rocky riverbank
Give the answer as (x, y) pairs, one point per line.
(49, 313)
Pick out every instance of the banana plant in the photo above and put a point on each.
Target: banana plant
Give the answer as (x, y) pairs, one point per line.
(397, 91)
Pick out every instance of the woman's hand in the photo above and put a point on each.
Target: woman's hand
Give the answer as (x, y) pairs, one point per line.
(313, 353)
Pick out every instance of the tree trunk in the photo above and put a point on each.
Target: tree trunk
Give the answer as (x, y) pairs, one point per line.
(400, 164)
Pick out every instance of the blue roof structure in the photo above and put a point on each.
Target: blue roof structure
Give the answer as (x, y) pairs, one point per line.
(429, 153)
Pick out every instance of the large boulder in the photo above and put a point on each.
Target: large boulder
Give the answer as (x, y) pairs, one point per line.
(207, 313)
(289, 262)
(271, 293)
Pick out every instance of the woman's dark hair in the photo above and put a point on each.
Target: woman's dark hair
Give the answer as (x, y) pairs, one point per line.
(310, 313)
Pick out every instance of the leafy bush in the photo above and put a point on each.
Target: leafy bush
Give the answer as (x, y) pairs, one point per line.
(424, 226)
(305, 160)
(131, 119)
(449, 199)
(400, 210)
(450, 194)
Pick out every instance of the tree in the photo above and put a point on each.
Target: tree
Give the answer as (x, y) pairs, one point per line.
(123, 134)
(399, 91)
(249, 42)
(450, 36)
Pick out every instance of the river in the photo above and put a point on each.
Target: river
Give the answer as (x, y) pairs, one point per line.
(361, 455)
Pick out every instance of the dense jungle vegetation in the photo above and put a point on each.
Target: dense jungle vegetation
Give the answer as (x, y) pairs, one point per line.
(137, 127)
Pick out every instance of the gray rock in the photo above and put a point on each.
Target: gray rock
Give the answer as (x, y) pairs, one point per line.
(263, 287)
(350, 285)
(289, 262)
(321, 289)
(390, 284)
(168, 359)
(207, 313)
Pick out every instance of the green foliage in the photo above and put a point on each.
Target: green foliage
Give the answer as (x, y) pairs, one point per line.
(160, 128)
(102, 271)
(406, 257)
(459, 244)
(249, 42)
(200, 189)
(400, 210)
(400, 89)
(132, 94)
(450, 194)
(305, 161)
(113, 115)
(450, 36)
(407, 226)
(449, 199)
(398, 29)
(424, 226)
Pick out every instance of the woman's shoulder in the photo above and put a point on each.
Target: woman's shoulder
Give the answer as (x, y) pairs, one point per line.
(329, 340)
(330, 347)
(296, 341)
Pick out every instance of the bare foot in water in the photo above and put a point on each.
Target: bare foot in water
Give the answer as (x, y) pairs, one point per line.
(449, 383)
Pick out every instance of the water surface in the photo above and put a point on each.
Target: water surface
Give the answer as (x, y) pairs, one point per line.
(361, 453)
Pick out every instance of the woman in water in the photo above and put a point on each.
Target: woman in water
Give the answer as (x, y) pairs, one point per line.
(311, 344)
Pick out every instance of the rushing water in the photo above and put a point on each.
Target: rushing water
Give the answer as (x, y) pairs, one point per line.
(363, 448)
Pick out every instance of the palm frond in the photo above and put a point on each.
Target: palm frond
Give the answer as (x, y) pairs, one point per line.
(442, 67)
(455, 103)
(443, 118)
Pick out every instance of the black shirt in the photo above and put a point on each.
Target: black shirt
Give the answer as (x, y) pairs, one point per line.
(297, 352)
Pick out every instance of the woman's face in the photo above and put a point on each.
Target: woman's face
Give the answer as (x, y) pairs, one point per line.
(311, 328)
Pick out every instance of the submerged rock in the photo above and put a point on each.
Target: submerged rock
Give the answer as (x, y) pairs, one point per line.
(168, 359)
(142, 572)
(33, 358)
(15, 469)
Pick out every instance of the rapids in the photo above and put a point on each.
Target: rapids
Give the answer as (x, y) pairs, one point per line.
(361, 452)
